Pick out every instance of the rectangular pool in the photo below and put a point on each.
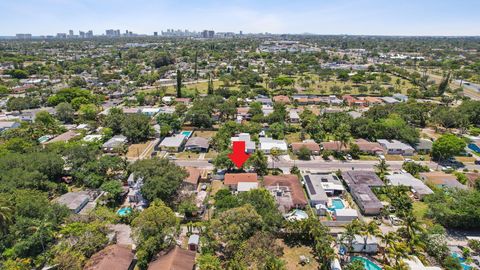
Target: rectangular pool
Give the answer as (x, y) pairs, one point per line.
(187, 133)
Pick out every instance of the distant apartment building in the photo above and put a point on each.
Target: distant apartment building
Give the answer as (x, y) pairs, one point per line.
(23, 36)
(208, 34)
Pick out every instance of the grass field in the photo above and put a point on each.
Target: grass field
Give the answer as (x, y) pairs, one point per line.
(318, 87)
(211, 154)
(294, 137)
(204, 134)
(187, 155)
(420, 210)
(135, 150)
(466, 159)
(421, 157)
(291, 256)
(367, 157)
(394, 158)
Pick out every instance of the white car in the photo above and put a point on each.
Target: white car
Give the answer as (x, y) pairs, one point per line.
(381, 157)
(408, 160)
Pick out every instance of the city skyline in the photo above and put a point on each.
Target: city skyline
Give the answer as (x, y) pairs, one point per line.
(364, 17)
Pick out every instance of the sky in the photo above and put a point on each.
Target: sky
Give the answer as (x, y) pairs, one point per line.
(352, 17)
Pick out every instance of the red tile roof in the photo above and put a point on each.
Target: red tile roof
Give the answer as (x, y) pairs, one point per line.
(235, 178)
(288, 180)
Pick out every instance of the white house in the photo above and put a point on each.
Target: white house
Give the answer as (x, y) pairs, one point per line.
(359, 245)
(394, 147)
(267, 144)
(249, 144)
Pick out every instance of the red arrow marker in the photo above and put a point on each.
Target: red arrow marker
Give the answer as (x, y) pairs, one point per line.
(238, 156)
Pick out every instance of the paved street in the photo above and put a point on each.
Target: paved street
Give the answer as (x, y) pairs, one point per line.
(313, 164)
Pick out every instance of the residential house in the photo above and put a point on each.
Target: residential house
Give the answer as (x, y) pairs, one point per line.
(150, 111)
(174, 143)
(345, 214)
(293, 116)
(246, 186)
(441, 180)
(249, 144)
(191, 182)
(264, 100)
(371, 101)
(64, 137)
(197, 144)
(335, 146)
(424, 146)
(232, 180)
(193, 242)
(394, 147)
(118, 257)
(360, 244)
(360, 183)
(353, 101)
(473, 178)
(400, 97)
(75, 201)
(320, 186)
(311, 145)
(418, 188)
(267, 144)
(390, 100)
(4, 125)
(115, 144)
(175, 259)
(372, 148)
(281, 99)
(243, 113)
(287, 191)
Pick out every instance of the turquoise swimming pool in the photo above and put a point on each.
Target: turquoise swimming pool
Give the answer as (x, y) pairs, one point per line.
(124, 211)
(187, 133)
(369, 265)
(338, 204)
(462, 261)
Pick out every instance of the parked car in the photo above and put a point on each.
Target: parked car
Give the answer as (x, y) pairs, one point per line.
(477, 161)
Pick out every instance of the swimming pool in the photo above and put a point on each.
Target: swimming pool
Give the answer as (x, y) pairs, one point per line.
(462, 260)
(124, 211)
(187, 133)
(369, 265)
(338, 204)
(474, 147)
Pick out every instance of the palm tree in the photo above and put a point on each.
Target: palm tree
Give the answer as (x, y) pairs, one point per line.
(6, 214)
(342, 134)
(351, 230)
(388, 240)
(382, 169)
(398, 252)
(412, 229)
(370, 229)
(275, 153)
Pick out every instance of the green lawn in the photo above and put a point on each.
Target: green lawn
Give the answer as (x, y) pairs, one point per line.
(420, 210)
(187, 155)
(368, 157)
(394, 158)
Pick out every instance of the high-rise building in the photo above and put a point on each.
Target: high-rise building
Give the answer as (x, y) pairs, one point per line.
(89, 34)
(70, 33)
(155, 34)
(208, 33)
(81, 34)
(23, 36)
(61, 35)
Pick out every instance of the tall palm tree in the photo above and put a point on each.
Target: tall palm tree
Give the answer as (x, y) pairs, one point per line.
(275, 153)
(388, 240)
(370, 229)
(342, 134)
(351, 230)
(6, 215)
(398, 252)
(382, 169)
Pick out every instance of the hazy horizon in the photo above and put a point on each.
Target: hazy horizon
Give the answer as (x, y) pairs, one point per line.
(341, 17)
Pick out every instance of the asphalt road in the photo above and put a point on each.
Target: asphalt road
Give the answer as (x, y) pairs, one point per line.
(311, 165)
